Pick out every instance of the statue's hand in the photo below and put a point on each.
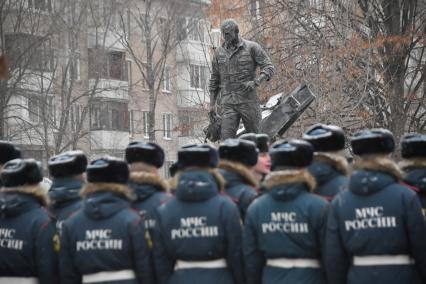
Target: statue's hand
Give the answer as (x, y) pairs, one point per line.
(250, 85)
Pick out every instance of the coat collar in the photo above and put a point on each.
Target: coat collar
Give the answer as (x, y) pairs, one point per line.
(117, 188)
(413, 163)
(245, 173)
(277, 178)
(380, 164)
(335, 160)
(148, 178)
(34, 190)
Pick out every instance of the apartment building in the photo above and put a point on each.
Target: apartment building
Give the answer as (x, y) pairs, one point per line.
(91, 74)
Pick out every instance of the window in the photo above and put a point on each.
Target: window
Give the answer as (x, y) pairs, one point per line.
(74, 69)
(255, 9)
(185, 124)
(198, 76)
(132, 129)
(195, 29)
(195, 76)
(53, 113)
(29, 52)
(215, 37)
(146, 124)
(115, 119)
(182, 33)
(116, 61)
(110, 115)
(96, 118)
(167, 125)
(129, 72)
(34, 109)
(190, 28)
(107, 65)
(167, 84)
(75, 116)
(163, 31)
(40, 5)
(144, 81)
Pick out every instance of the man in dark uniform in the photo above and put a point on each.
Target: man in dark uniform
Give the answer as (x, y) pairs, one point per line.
(376, 230)
(8, 152)
(413, 151)
(284, 228)
(263, 165)
(149, 188)
(197, 238)
(105, 241)
(330, 168)
(67, 170)
(237, 159)
(27, 253)
(233, 76)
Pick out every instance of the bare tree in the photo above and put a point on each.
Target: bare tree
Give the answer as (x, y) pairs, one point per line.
(365, 60)
(47, 101)
(154, 42)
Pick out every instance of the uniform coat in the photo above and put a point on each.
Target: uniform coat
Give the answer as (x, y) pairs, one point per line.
(65, 198)
(329, 171)
(27, 234)
(215, 232)
(120, 242)
(415, 176)
(150, 192)
(375, 217)
(240, 184)
(287, 194)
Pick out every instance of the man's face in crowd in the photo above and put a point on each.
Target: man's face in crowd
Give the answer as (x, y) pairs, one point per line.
(263, 165)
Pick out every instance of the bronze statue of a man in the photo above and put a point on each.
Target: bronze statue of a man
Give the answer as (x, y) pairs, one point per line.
(234, 78)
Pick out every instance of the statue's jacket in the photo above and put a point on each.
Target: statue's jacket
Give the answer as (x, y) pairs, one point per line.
(230, 70)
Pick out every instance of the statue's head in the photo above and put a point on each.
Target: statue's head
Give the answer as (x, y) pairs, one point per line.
(230, 31)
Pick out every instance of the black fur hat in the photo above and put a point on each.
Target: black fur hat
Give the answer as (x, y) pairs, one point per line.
(373, 141)
(197, 155)
(325, 138)
(20, 172)
(291, 153)
(68, 164)
(148, 153)
(261, 140)
(8, 152)
(413, 146)
(108, 170)
(239, 150)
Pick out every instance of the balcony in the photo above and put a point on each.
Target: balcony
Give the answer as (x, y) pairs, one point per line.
(34, 81)
(102, 140)
(105, 39)
(109, 88)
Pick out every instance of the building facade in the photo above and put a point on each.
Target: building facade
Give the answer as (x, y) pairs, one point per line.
(96, 75)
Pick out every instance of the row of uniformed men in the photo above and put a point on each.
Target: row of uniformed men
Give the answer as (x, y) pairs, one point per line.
(372, 232)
